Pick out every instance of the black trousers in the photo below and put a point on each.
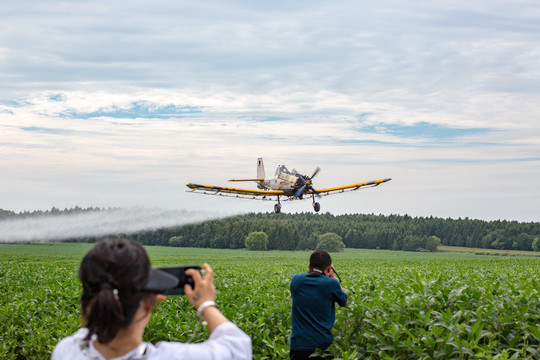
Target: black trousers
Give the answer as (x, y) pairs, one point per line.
(304, 355)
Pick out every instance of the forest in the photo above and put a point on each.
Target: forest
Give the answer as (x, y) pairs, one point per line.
(393, 232)
(300, 231)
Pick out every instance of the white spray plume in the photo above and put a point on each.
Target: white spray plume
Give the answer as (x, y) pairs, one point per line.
(96, 223)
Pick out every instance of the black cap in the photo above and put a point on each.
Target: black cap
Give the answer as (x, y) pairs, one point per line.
(160, 281)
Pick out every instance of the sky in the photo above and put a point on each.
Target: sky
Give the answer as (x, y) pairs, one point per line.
(121, 103)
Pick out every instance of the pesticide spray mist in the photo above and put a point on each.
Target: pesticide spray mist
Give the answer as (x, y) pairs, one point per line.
(96, 223)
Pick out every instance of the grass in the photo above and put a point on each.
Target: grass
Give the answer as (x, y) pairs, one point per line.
(403, 305)
(478, 251)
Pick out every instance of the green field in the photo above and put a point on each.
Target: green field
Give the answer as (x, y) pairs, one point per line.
(403, 305)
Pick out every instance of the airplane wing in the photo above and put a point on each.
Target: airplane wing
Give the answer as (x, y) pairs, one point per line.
(351, 187)
(247, 179)
(268, 194)
(234, 192)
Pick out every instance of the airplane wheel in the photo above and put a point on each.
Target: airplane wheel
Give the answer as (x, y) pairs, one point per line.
(277, 208)
(316, 206)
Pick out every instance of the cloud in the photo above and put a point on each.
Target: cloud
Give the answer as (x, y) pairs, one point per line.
(120, 103)
(47, 130)
(309, 45)
(137, 110)
(144, 125)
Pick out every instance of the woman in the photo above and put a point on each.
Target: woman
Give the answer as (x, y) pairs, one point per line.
(119, 291)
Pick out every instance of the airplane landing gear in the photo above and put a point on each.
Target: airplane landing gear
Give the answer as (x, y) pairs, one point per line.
(277, 207)
(316, 205)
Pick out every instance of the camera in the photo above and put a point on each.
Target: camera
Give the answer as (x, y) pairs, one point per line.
(179, 272)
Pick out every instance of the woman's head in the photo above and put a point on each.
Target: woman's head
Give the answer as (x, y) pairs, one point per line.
(113, 274)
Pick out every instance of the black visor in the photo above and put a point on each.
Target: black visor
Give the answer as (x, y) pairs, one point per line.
(160, 281)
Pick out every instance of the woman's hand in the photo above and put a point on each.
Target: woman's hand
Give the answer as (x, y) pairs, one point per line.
(159, 298)
(204, 290)
(204, 286)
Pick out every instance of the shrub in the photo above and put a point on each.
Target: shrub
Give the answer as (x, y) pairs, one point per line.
(176, 241)
(536, 244)
(330, 242)
(257, 240)
(432, 243)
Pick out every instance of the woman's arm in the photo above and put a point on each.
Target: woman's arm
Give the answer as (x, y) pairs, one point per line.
(203, 291)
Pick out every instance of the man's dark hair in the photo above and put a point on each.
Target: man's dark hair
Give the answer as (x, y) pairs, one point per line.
(320, 259)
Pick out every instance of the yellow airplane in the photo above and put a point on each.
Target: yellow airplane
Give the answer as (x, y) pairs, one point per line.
(287, 184)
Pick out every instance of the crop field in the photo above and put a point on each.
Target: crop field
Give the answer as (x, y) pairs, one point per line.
(402, 305)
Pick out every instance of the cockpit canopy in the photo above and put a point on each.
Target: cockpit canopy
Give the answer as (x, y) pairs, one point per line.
(282, 169)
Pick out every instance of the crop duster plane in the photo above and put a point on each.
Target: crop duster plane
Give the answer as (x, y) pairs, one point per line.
(285, 186)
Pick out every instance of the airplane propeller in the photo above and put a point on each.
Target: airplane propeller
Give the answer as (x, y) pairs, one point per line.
(306, 182)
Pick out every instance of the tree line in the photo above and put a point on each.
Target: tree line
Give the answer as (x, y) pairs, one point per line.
(8, 214)
(395, 232)
(302, 230)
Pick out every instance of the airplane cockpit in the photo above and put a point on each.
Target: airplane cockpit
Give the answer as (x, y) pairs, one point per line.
(282, 169)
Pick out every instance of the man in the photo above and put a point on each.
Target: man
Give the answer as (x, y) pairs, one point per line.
(313, 306)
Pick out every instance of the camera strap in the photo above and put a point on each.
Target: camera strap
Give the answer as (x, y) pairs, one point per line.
(335, 272)
(315, 270)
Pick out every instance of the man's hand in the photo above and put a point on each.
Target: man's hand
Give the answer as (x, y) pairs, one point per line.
(329, 271)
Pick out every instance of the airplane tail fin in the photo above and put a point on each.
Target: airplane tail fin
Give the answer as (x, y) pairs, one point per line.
(260, 169)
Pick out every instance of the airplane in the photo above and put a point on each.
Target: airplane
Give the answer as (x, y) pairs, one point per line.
(285, 186)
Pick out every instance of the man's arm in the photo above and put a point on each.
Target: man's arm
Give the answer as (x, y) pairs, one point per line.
(342, 298)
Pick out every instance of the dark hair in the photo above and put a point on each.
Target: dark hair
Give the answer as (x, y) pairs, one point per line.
(320, 259)
(112, 273)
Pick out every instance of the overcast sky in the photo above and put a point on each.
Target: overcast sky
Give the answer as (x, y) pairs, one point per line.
(121, 103)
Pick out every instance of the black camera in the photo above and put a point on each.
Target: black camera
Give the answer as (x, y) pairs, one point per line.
(179, 272)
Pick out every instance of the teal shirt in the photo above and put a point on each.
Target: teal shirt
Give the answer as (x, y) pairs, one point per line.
(313, 310)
